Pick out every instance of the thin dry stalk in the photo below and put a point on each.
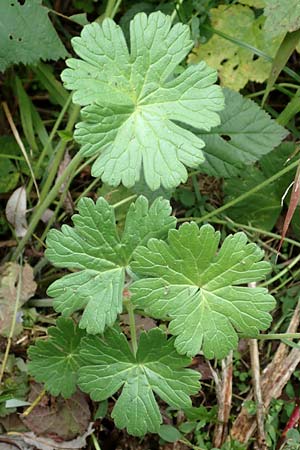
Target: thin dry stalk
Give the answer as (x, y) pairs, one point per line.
(20, 143)
(255, 368)
(273, 379)
(224, 395)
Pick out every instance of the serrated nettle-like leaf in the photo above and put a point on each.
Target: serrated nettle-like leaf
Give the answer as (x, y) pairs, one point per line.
(109, 365)
(198, 288)
(245, 134)
(55, 362)
(101, 256)
(19, 44)
(135, 106)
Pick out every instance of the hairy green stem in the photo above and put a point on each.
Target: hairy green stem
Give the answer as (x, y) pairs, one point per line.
(231, 224)
(274, 336)
(247, 194)
(124, 201)
(59, 153)
(51, 136)
(112, 7)
(130, 311)
(189, 444)
(281, 273)
(52, 219)
(95, 442)
(175, 12)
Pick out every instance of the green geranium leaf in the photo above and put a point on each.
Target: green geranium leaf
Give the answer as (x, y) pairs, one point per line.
(101, 256)
(20, 42)
(282, 16)
(55, 362)
(109, 364)
(246, 134)
(135, 102)
(199, 289)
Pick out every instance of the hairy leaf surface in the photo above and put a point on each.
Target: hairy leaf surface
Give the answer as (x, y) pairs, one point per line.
(20, 42)
(101, 256)
(55, 362)
(135, 102)
(109, 365)
(245, 134)
(199, 290)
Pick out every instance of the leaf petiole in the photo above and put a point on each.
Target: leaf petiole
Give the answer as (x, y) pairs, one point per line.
(274, 336)
(130, 311)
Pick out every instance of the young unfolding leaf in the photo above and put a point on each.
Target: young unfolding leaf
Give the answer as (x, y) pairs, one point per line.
(198, 288)
(109, 364)
(55, 362)
(94, 247)
(245, 134)
(136, 105)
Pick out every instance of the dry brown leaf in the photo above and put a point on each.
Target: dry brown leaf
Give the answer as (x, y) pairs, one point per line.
(16, 211)
(9, 277)
(42, 443)
(58, 417)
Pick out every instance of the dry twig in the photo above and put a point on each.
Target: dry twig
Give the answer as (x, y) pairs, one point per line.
(273, 379)
(224, 394)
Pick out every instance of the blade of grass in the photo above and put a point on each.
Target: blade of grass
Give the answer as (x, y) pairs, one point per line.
(247, 194)
(240, 226)
(39, 126)
(44, 204)
(48, 144)
(283, 53)
(25, 114)
(291, 109)
(60, 149)
(55, 88)
(20, 144)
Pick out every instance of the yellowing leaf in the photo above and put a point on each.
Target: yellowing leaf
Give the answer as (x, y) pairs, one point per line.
(236, 65)
(254, 3)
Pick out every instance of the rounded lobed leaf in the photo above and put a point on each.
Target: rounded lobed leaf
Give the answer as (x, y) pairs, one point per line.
(94, 247)
(198, 287)
(55, 362)
(136, 108)
(109, 365)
